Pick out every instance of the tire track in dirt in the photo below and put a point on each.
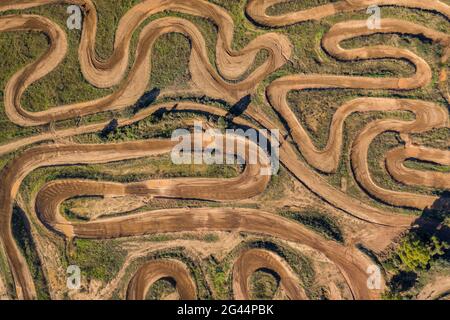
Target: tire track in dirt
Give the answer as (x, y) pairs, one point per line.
(353, 267)
(439, 289)
(429, 115)
(155, 270)
(396, 158)
(253, 260)
(231, 64)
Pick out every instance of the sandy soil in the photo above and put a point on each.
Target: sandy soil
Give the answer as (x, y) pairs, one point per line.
(252, 260)
(152, 271)
(3, 290)
(439, 288)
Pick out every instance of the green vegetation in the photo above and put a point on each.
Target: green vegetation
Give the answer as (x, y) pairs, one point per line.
(30, 47)
(380, 175)
(244, 30)
(24, 239)
(178, 253)
(315, 108)
(415, 253)
(161, 289)
(264, 284)
(124, 171)
(5, 274)
(97, 259)
(421, 165)
(300, 264)
(279, 183)
(295, 5)
(65, 84)
(319, 222)
(220, 275)
(211, 237)
(436, 138)
(108, 20)
(420, 257)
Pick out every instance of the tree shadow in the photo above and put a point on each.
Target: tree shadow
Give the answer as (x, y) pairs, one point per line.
(109, 128)
(403, 281)
(431, 221)
(239, 108)
(147, 99)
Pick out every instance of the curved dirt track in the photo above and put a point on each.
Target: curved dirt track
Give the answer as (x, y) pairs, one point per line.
(153, 271)
(105, 74)
(231, 65)
(353, 266)
(248, 262)
(428, 115)
(396, 158)
(253, 260)
(183, 106)
(439, 289)
(248, 184)
(256, 9)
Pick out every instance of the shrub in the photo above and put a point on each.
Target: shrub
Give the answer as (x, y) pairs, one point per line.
(415, 253)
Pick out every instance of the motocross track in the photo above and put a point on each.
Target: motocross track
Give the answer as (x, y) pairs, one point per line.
(218, 83)
(256, 259)
(439, 289)
(247, 263)
(155, 270)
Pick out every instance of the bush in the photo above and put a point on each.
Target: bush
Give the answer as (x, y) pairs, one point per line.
(415, 253)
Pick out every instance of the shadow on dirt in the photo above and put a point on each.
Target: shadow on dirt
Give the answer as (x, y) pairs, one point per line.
(430, 225)
(147, 99)
(432, 220)
(239, 108)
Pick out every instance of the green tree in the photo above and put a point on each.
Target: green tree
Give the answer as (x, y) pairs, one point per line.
(415, 253)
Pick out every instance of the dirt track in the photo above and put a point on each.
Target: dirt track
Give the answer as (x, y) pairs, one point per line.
(152, 271)
(428, 115)
(396, 158)
(255, 259)
(256, 9)
(439, 289)
(107, 73)
(248, 184)
(353, 266)
(231, 65)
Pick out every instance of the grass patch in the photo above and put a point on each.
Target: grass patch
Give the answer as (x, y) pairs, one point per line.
(294, 5)
(428, 166)
(6, 274)
(277, 186)
(264, 284)
(319, 222)
(97, 259)
(220, 272)
(161, 288)
(167, 49)
(25, 242)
